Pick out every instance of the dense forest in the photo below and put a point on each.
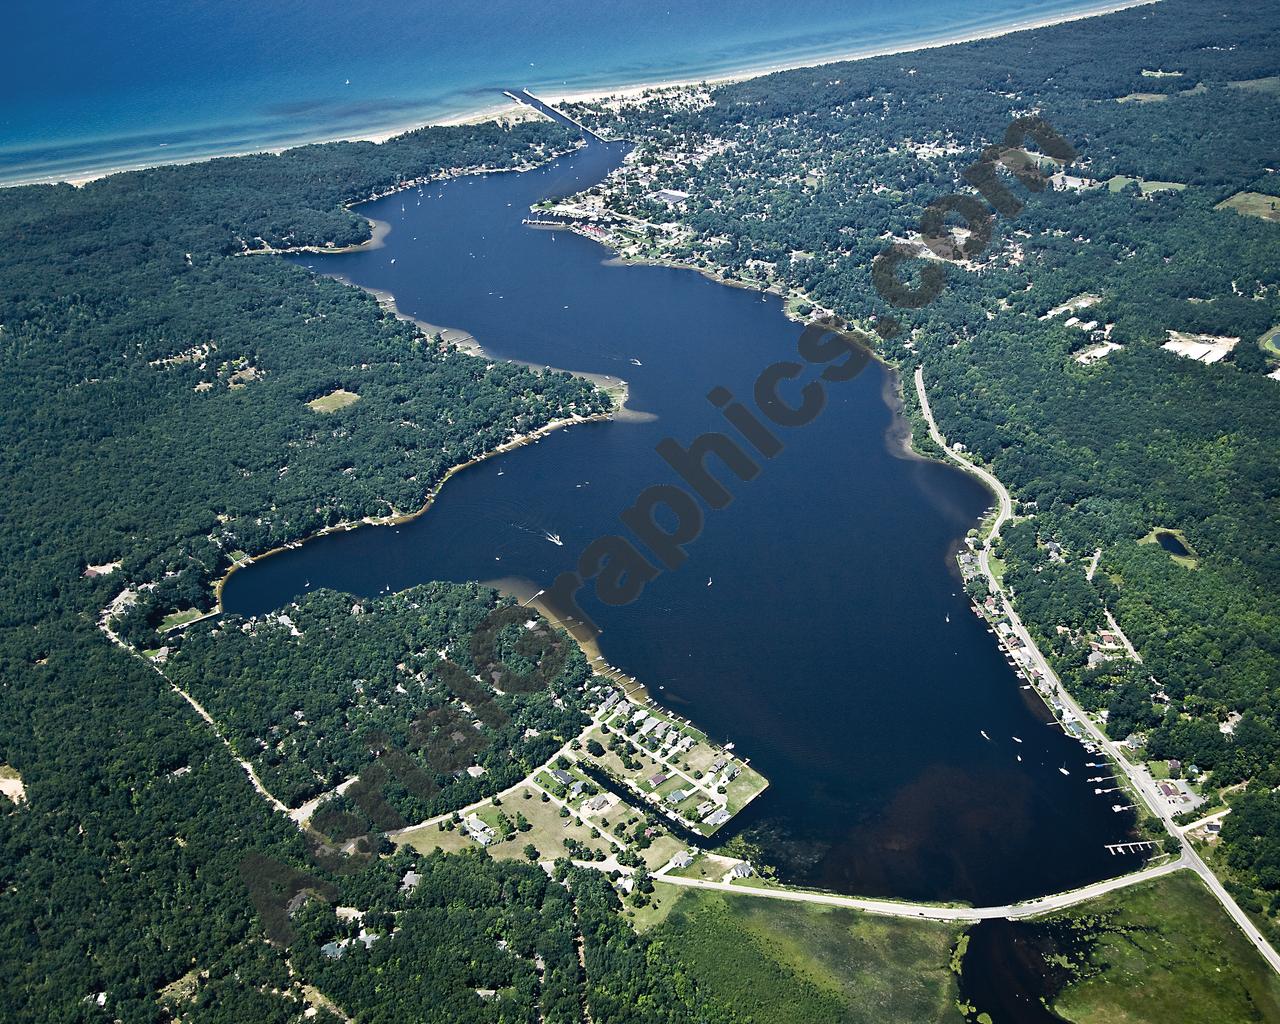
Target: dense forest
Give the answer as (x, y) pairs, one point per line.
(156, 386)
(316, 694)
(798, 181)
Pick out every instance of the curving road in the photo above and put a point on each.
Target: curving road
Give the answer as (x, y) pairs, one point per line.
(932, 911)
(1142, 783)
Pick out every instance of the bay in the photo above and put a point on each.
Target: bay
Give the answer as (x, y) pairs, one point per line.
(819, 623)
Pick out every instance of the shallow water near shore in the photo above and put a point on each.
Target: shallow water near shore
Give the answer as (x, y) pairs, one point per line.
(819, 623)
(91, 87)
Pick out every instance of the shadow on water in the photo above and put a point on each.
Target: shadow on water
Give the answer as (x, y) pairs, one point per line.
(818, 622)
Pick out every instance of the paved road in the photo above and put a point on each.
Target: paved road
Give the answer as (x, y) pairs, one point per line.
(1142, 782)
(997, 488)
(933, 912)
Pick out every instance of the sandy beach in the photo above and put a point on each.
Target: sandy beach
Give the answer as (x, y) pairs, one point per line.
(514, 111)
(931, 43)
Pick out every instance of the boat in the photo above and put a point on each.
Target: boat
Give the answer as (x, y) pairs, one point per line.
(555, 539)
(708, 581)
(636, 362)
(1017, 740)
(947, 617)
(984, 735)
(1064, 771)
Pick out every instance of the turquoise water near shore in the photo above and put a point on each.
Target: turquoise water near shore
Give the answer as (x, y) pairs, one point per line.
(89, 87)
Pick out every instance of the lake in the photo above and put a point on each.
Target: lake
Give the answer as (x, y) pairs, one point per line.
(819, 623)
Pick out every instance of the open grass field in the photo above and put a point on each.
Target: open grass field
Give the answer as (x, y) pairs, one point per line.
(1170, 954)
(182, 618)
(1269, 85)
(1253, 204)
(1118, 182)
(801, 964)
(547, 831)
(334, 401)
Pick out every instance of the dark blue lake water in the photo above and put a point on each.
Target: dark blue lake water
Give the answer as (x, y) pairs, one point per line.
(835, 646)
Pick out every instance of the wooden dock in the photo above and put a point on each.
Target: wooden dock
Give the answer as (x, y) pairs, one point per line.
(1136, 847)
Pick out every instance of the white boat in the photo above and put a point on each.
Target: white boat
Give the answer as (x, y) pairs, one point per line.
(636, 362)
(984, 735)
(555, 539)
(1017, 740)
(1064, 771)
(708, 581)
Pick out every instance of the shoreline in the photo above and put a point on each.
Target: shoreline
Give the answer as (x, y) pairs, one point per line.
(623, 90)
(398, 518)
(842, 57)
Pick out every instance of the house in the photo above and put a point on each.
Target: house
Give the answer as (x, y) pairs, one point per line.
(676, 795)
(670, 196)
(682, 859)
(410, 881)
(741, 870)
(705, 808)
(656, 779)
(597, 803)
(717, 818)
(609, 701)
(477, 829)
(298, 901)
(576, 789)
(561, 776)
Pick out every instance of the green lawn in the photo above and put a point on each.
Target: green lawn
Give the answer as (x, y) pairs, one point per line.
(176, 619)
(1120, 181)
(790, 963)
(334, 401)
(1253, 204)
(1169, 954)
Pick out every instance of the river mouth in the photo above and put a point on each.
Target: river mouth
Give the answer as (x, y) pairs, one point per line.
(818, 623)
